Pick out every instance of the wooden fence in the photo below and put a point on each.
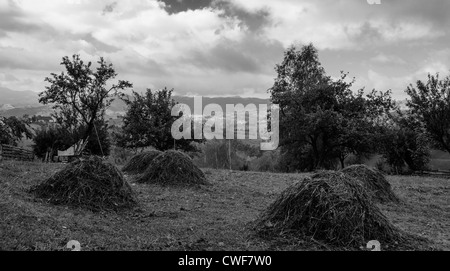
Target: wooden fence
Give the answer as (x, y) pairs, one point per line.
(15, 153)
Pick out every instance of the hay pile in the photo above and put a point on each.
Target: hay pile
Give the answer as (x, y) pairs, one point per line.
(92, 184)
(139, 163)
(374, 182)
(173, 168)
(329, 207)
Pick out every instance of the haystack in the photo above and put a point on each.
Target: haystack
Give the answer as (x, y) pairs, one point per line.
(374, 182)
(139, 163)
(93, 184)
(329, 207)
(173, 168)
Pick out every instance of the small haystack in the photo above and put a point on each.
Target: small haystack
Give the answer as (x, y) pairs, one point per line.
(329, 207)
(93, 184)
(374, 182)
(139, 163)
(173, 168)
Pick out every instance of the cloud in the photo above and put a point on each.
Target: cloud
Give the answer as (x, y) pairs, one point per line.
(224, 46)
(177, 6)
(398, 84)
(249, 55)
(388, 59)
(109, 8)
(7, 77)
(251, 20)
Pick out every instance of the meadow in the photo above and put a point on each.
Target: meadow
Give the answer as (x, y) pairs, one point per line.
(211, 218)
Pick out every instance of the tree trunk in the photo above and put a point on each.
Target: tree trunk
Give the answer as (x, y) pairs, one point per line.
(229, 152)
(342, 160)
(217, 160)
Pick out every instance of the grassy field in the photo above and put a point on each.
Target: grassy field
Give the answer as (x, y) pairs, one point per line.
(211, 218)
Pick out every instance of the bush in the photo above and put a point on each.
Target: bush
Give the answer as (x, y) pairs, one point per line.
(266, 163)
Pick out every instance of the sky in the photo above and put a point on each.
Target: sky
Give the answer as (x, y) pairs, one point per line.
(224, 47)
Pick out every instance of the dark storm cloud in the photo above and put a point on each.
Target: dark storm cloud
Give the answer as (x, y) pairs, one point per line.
(109, 8)
(366, 35)
(176, 6)
(254, 21)
(14, 20)
(251, 55)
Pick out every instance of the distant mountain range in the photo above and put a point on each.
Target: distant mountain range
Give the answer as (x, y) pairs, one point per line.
(19, 103)
(18, 98)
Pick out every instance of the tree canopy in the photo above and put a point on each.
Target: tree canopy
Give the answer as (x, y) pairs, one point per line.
(322, 120)
(80, 95)
(148, 122)
(430, 103)
(12, 130)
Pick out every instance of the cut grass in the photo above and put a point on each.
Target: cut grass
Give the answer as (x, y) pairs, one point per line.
(173, 168)
(213, 218)
(330, 207)
(91, 183)
(374, 182)
(139, 163)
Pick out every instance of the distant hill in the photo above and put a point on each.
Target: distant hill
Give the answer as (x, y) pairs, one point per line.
(222, 101)
(19, 103)
(43, 110)
(18, 98)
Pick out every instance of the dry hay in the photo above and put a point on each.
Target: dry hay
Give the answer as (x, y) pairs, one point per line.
(173, 168)
(92, 184)
(139, 163)
(374, 182)
(328, 207)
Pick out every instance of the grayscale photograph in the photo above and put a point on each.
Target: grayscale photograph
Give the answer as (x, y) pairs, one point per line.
(215, 126)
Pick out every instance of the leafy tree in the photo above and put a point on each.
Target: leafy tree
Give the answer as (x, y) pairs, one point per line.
(56, 137)
(405, 142)
(81, 95)
(322, 121)
(51, 139)
(430, 103)
(12, 130)
(148, 123)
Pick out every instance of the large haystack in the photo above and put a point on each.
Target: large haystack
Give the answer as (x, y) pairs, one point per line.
(139, 163)
(329, 207)
(93, 184)
(374, 182)
(173, 168)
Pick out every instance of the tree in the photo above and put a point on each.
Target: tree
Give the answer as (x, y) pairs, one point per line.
(405, 142)
(56, 137)
(101, 143)
(81, 95)
(12, 130)
(148, 123)
(51, 139)
(322, 121)
(430, 103)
